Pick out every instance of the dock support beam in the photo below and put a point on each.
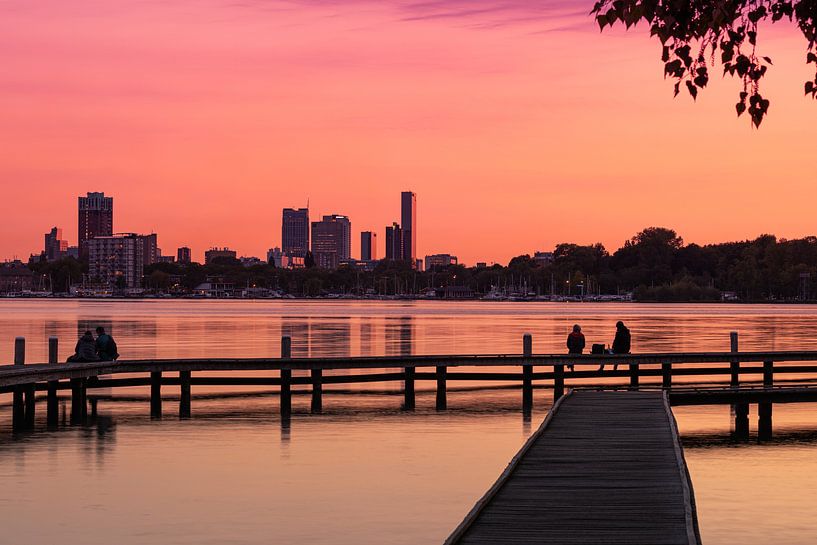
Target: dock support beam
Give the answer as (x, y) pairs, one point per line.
(666, 376)
(156, 394)
(442, 399)
(18, 408)
(741, 410)
(317, 391)
(558, 382)
(79, 400)
(52, 404)
(286, 380)
(527, 375)
(764, 410)
(184, 394)
(634, 376)
(408, 389)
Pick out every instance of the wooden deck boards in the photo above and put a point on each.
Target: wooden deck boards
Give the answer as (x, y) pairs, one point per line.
(605, 468)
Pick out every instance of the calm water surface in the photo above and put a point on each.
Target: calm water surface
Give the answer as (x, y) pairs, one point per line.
(362, 472)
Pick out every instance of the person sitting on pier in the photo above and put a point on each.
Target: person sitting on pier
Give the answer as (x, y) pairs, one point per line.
(85, 349)
(621, 343)
(105, 345)
(575, 342)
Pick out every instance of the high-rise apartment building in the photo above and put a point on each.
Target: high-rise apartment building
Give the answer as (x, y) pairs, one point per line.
(408, 219)
(183, 255)
(295, 231)
(151, 252)
(95, 215)
(116, 260)
(368, 246)
(55, 247)
(394, 242)
(331, 241)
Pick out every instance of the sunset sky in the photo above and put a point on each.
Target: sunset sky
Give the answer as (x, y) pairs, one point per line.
(516, 122)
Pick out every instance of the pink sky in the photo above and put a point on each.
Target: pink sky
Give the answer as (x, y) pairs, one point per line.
(518, 127)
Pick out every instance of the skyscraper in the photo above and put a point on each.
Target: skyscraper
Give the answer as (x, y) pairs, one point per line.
(408, 218)
(151, 252)
(95, 217)
(394, 242)
(183, 255)
(55, 247)
(331, 241)
(295, 231)
(368, 246)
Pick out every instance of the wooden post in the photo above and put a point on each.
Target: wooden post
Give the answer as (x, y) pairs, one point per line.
(155, 394)
(634, 376)
(317, 391)
(18, 410)
(764, 409)
(558, 382)
(741, 410)
(408, 389)
(527, 375)
(79, 409)
(52, 405)
(442, 400)
(666, 376)
(286, 379)
(184, 394)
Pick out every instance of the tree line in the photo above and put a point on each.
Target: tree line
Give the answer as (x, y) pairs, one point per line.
(654, 265)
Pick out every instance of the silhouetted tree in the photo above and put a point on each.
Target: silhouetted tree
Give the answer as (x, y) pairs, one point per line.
(695, 34)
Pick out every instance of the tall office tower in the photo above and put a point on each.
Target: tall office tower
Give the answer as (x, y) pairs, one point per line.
(151, 252)
(183, 255)
(116, 260)
(55, 247)
(95, 218)
(394, 242)
(368, 246)
(331, 241)
(295, 231)
(408, 218)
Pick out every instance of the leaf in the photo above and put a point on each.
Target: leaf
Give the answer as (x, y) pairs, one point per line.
(809, 87)
(692, 90)
(768, 60)
(811, 57)
(740, 107)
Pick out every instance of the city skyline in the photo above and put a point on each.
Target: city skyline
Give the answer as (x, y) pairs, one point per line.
(517, 148)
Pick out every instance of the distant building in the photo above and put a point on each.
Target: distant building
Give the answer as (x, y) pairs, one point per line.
(15, 277)
(481, 265)
(55, 247)
(251, 261)
(183, 255)
(215, 286)
(440, 261)
(117, 260)
(458, 292)
(368, 246)
(167, 259)
(295, 231)
(151, 251)
(73, 251)
(277, 257)
(215, 253)
(394, 242)
(543, 258)
(408, 218)
(331, 241)
(95, 218)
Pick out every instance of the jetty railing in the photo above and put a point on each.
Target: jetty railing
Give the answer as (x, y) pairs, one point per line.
(23, 379)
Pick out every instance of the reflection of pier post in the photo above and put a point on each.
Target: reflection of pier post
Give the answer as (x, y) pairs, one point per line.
(527, 375)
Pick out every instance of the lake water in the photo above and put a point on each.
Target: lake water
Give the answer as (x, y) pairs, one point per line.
(363, 471)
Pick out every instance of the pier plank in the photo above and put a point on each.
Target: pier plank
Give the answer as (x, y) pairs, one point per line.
(606, 467)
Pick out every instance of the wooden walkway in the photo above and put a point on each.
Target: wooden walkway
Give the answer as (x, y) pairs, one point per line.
(604, 467)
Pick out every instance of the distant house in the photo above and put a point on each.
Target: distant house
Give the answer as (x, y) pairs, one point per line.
(215, 287)
(458, 292)
(15, 277)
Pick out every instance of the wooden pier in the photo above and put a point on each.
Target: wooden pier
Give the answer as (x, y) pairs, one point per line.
(604, 467)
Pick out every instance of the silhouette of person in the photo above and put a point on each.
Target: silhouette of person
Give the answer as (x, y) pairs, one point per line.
(575, 342)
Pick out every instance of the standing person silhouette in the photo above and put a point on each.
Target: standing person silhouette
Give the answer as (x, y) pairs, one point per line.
(575, 342)
(621, 343)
